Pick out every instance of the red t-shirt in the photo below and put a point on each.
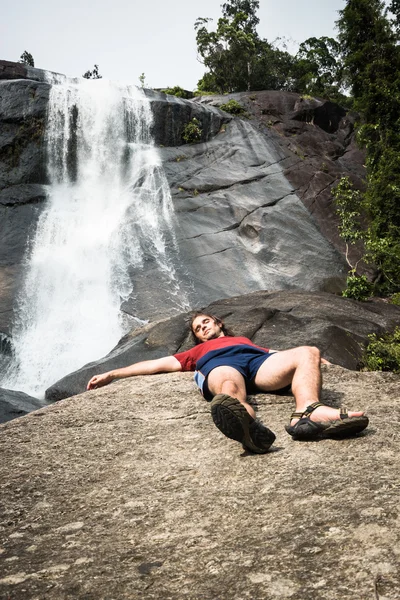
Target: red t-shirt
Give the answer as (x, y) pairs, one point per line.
(189, 358)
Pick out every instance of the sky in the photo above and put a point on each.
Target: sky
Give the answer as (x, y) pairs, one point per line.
(129, 37)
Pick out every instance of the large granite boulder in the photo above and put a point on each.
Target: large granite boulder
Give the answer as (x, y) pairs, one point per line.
(130, 492)
(339, 327)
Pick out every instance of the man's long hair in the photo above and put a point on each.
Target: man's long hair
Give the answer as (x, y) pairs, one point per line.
(216, 320)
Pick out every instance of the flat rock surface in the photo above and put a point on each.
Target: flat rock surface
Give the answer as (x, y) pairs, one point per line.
(131, 492)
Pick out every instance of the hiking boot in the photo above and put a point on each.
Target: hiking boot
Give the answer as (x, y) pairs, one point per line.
(231, 417)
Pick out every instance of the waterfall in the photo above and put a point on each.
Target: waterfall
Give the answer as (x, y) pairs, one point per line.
(108, 208)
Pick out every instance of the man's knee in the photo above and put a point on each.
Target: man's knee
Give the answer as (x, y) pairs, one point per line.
(222, 378)
(224, 384)
(307, 352)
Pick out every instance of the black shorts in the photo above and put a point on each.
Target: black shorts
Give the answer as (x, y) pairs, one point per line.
(246, 361)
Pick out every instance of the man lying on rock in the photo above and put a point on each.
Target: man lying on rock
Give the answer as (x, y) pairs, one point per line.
(227, 368)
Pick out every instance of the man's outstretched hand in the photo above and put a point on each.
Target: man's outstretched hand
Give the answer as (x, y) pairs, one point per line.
(99, 380)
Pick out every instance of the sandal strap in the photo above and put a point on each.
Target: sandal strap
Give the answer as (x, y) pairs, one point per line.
(307, 412)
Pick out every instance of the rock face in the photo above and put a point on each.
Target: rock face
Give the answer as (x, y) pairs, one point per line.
(337, 326)
(317, 136)
(17, 404)
(240, 224)
(131, 492)
(22, 180)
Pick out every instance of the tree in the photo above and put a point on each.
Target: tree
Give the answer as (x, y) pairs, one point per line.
(318, 69)
(142, 80)
(248, 7)
(229, 52)
(93, 74)
(394, 8)
(372, 63)
(27, 58)
(235, 55)
(368, 47)
(273, 69)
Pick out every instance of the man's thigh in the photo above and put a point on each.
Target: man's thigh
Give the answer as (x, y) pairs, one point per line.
(219, 375)
(276, 371)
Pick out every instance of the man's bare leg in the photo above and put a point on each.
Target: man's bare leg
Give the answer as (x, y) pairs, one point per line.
(226, 380)
(233, 415)
(300, 367)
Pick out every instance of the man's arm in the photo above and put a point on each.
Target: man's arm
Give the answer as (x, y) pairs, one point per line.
(168, 364)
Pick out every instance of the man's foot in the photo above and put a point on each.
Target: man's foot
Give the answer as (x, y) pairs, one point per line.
(320, 420)
(231, 417)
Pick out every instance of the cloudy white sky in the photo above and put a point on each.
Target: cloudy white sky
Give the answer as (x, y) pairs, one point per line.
(129, 37)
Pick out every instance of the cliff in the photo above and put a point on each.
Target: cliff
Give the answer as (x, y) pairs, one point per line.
(252, 198)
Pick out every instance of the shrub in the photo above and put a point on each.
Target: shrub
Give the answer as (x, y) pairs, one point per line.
(383, 352)
(204, 93)
(27, 58)
(233, 107)
(177, 91)
(192, 132)
(358, 287)
(395, 299)
(93, 74)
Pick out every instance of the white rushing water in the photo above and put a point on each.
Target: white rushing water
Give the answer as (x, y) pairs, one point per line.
(108, 208)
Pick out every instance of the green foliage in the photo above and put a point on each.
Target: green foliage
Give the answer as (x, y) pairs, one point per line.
(177, 91)
(348, 207)
(371, 53)
(395, 299)
(233, 107)
(229, 52)
(27, 58)
(368, 46)
(358, 287)
(248, 7)
(237, 59)
(192, 132)
(142, 80)
(200, 92)
(93, 74)
(383, 352)
(359, 221)
(318, 70)
(394, 8)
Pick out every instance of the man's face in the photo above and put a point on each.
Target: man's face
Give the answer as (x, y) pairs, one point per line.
(205, 328)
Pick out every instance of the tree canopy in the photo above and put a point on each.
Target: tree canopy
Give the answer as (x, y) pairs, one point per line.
(369, 41)
(237, 59)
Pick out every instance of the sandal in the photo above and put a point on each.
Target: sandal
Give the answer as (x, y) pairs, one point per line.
(233, 420)
(305, 429)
